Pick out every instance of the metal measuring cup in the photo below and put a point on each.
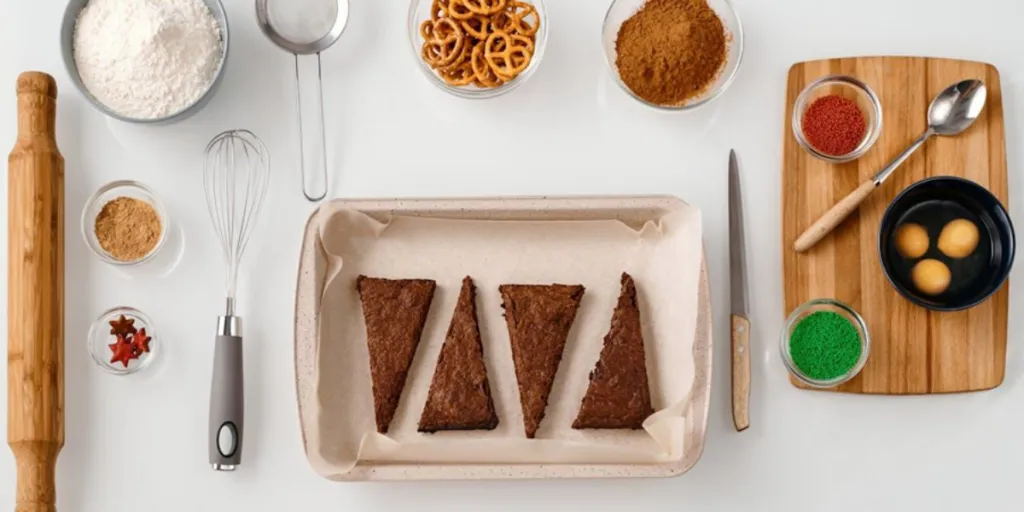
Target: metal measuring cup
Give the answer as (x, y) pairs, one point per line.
(306, 48)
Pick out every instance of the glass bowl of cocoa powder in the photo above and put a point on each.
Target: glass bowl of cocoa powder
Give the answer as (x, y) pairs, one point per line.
(124, 223)
(673, 55)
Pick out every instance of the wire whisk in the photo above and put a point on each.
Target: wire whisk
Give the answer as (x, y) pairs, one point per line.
(236, 172)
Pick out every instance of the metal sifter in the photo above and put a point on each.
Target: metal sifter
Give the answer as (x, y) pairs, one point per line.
(301, 28)
(236, 170)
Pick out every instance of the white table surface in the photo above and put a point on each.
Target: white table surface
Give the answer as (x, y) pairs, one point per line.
(139, 443)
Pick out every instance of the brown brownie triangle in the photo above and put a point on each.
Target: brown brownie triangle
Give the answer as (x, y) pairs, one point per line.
(538, 318)
(394, 312)
(618, 395)
(460, 396)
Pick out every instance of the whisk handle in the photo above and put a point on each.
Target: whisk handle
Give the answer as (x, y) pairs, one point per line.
(227, 404)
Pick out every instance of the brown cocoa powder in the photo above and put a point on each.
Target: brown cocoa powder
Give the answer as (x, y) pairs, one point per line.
(671, 50)
(128, 228)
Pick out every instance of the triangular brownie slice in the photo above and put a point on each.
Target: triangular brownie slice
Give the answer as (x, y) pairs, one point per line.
(618, 395)
(538, 318)
(460, 396)
(394, 312)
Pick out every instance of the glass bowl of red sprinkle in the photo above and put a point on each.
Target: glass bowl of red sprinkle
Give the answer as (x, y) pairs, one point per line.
(824, 343)
(837, 118)
(121, 341)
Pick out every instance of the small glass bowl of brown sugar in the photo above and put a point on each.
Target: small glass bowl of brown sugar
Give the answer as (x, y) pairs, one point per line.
(124, 223)
(655, 65)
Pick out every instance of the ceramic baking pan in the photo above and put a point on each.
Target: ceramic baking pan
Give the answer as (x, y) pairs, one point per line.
(633, 210)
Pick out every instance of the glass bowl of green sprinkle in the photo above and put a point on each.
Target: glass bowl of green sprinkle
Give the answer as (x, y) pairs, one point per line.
(824, 343)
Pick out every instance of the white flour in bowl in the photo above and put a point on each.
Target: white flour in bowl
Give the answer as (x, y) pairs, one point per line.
(147, 59)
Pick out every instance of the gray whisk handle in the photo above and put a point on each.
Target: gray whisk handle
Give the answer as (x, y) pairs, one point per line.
(227, 404)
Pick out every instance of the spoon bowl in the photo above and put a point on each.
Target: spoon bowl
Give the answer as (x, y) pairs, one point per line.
(956, 108)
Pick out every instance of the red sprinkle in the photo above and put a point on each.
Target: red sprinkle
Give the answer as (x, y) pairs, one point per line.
(123, 351)
(834, 125)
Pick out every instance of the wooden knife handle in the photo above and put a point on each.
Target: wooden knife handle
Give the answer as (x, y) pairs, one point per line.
(35, 295)
(740, 372)
(837, 214)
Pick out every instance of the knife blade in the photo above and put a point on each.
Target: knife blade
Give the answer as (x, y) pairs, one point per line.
(739, 322)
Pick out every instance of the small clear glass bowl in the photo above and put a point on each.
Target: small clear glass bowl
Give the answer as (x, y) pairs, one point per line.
(846, 87)
(107, 193)
(419, 11)
(100, 338)
(622, 10)
(833, 306)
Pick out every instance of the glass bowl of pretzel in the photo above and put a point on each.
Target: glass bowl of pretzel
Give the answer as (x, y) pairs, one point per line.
(478, 48)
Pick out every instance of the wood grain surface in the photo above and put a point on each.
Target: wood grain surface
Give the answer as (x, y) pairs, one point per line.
(913, 350)
(740, 338)
(35, 295)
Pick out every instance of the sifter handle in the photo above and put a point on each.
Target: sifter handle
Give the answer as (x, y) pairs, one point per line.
(227, 404)
(318, 191)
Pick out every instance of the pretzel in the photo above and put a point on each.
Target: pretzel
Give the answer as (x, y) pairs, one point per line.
(446, 44)
(507, 63)
(438, 10)
(502, 21)
(523, 42)
(460, 75)
(484, 7)
(477, 27)
(519, 12)
(485, 76)
(518, 60)
(458, 10)
(431, 55)
(427, 29)
(462, 57)
(444, 62)
(446, 27)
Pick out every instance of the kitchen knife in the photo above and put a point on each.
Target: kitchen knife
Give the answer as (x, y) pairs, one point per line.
(740, 325)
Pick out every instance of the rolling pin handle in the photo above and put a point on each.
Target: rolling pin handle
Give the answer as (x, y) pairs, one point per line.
(37, 490)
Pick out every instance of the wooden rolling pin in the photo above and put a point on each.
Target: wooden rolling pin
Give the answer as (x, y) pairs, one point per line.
(35, 295)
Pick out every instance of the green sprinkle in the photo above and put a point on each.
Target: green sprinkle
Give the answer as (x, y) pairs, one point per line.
(825, 345)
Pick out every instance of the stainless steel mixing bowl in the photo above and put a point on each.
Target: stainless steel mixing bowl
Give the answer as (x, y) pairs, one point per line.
(67, 38)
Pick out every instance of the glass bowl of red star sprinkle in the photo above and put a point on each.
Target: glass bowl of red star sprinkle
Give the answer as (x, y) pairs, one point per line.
(121, 341)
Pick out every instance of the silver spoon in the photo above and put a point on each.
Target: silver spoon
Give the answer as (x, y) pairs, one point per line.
(950, 113)
(297, 48)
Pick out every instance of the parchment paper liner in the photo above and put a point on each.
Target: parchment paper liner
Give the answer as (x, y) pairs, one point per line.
(663, 257)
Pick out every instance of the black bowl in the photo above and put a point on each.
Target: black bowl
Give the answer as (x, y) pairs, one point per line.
(932, 203)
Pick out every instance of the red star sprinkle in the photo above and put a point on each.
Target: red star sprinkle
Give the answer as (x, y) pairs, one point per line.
(140, 342)
(123, 351)
(122, 326)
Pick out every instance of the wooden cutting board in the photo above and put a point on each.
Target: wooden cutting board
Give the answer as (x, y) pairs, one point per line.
(913, 350)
